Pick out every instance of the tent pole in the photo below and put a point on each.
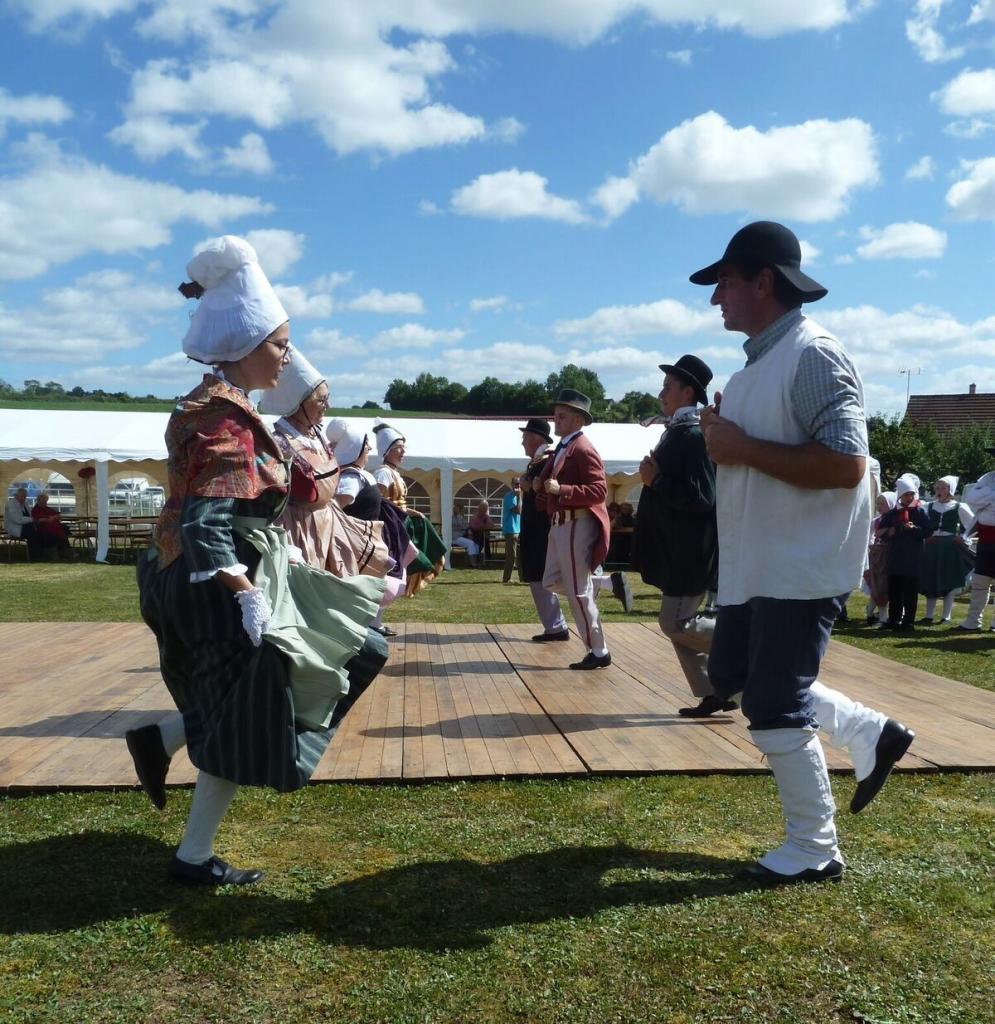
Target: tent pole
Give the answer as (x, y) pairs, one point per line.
(446, 508)
(103, 511)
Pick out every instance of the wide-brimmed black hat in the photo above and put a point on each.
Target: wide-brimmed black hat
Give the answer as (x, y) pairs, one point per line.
(540, 427)
(576, 400)
(693, 371)
(769, 244)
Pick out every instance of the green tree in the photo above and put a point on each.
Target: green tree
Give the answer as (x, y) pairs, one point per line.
(584, 381)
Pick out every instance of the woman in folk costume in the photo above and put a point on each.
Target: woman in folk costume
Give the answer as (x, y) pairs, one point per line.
(431, 547)
(907, 526)
(875, 584)
(943, 568)
(256, 651)
(358, 496)
(328, 538)
(982, 496)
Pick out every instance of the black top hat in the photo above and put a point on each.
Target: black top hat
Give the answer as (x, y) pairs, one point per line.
(576, 400)
(768, 244)
(693, 371)
(540, 427)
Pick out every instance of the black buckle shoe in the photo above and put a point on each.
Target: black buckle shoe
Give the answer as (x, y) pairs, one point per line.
(709, 706)
(151, 761)
(894, 740)
(832, 872)
(212, 872)
(545, 638)
(592, 660)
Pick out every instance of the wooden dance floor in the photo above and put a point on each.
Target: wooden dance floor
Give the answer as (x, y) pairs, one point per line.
(454, 702)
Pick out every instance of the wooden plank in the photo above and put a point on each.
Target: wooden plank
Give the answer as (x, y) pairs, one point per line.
(455, 701)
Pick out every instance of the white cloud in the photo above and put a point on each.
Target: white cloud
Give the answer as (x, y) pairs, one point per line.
(278, 250)
(970, 93)
(376, 301)
(615, 196)
(250, 155)
(364, 76)
(32, 109)
(810, 254)
(152, 138)
(682, 57)
(415, 336)
(303, 305)
(506, 195)
(99, 313)
(804, 172)
(922, 32)
(428, 208)
(112, 212)
(329, 282)
(984, 10)
(908, 240)
(664, 317)
(174, 374)
(495, 304)
(924, 169)
(331, 343)
(973, 197)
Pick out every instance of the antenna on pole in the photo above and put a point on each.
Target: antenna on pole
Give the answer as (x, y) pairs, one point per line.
(908, 380)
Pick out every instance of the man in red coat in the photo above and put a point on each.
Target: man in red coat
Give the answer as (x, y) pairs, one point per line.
(571, 490)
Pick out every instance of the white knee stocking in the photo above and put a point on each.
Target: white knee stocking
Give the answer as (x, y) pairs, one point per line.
(948, 605)
(980, 585)
(795, 757)
(173, 735)
(848, 726)
(211, 799)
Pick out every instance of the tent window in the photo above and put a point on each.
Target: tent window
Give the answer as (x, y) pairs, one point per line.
(418, 498)
(484, 488)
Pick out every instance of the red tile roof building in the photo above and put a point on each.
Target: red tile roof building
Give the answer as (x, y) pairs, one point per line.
(948, 413)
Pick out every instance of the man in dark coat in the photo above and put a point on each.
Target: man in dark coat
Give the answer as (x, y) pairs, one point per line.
(675, 545)
(534, 535)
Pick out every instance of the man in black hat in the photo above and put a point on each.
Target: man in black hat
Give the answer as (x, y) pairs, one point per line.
(793, 513)
(675, 546)
(571, 489)
(534, 536)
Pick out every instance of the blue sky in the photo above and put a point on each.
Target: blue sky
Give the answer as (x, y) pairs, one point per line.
(494, 187)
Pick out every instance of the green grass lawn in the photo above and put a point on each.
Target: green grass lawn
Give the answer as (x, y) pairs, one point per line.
(596, 900)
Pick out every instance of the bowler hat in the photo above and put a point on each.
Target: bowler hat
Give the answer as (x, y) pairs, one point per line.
(576, 400)
(768, 244)
(540, 427)
(693, 371)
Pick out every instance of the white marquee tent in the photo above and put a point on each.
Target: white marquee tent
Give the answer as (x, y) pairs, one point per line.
(122, 443)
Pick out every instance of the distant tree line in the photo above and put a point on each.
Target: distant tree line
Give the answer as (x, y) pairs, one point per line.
(53, 391)
(492, 397)
(903, 447)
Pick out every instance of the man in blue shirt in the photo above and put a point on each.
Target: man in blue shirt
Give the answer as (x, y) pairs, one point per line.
(511, 526)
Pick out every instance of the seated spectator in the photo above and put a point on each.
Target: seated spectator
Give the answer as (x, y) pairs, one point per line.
(50, 531)
(17, 522)
(613, 511)
(462, 539)
(480, 526)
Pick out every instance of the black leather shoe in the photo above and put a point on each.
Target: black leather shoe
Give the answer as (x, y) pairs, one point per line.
(709, 706)
(894, 740)
(385, 630)
(212, 872)
(545, 638)
(832, 872)
(151, 761)
(592, 660)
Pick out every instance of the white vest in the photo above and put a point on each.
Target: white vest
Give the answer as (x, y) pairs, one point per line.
(777, 540)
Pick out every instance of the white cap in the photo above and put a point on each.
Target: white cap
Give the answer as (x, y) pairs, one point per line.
(238, 309)
(889, 497)
(951, 482)
(346, 440)
(386, 435)
(298, 379)
(905, 483)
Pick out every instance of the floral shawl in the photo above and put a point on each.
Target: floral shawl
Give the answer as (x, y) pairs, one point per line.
(218, 447)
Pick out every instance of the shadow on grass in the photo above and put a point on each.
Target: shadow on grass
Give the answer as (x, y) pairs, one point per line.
(68, 882)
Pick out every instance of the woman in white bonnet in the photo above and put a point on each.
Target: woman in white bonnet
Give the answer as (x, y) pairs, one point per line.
(327, 537)
(943, 569)
(256, 667)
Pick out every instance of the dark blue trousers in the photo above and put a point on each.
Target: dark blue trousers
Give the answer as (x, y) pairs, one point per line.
(769, 649)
